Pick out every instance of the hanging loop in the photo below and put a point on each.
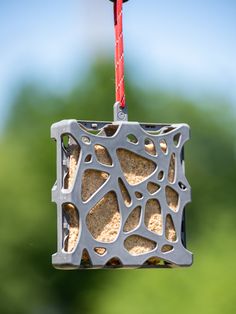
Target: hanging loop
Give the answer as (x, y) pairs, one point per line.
(120, 114)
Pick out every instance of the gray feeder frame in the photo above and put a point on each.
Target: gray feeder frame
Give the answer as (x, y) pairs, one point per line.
(96, 133)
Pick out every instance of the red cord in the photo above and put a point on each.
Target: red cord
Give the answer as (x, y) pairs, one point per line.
(119, 53)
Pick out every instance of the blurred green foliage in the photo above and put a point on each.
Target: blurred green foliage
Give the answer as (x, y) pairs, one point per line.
(29, 284)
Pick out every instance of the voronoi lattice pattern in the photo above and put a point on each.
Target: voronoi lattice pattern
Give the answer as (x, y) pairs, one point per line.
(120, 193)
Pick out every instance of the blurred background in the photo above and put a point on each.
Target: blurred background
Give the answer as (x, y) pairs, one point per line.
(56, 62)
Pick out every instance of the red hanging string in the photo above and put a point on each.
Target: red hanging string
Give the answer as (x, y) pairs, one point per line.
(119, 53)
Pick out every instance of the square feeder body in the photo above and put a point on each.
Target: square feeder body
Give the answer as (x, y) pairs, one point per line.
(121, 193)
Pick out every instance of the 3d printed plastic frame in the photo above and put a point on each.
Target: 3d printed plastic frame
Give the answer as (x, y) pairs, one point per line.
(87, 135)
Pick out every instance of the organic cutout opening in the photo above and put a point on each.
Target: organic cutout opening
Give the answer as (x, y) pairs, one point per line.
(163, 146)
(182, 186)
(124, 192)
(152, 129)
(153, 261)
(114, 262)
(172, 198)
(153, 217)
(160, 175)
(100, 250)
(172, 167)
(110, 129)
(85, 260)
(183, 234)
(103, 155)
(72, 150)
(99, 129)
(138, 195)
(168, 129)
(150, 147)
(92, 180)
(176, 139)
(72, 217)
(135, 168)
(93, 128)
(170, 229)
(88, 158)
(65, 141)
(166, 248)
(132, 221)
(103, 220)
(132, 139)
(152, 187)
(137, 245)
(86, 140)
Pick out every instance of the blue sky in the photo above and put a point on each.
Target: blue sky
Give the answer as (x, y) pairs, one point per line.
(182, 45)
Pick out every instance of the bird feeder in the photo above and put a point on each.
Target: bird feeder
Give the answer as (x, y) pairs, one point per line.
(121, 193)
